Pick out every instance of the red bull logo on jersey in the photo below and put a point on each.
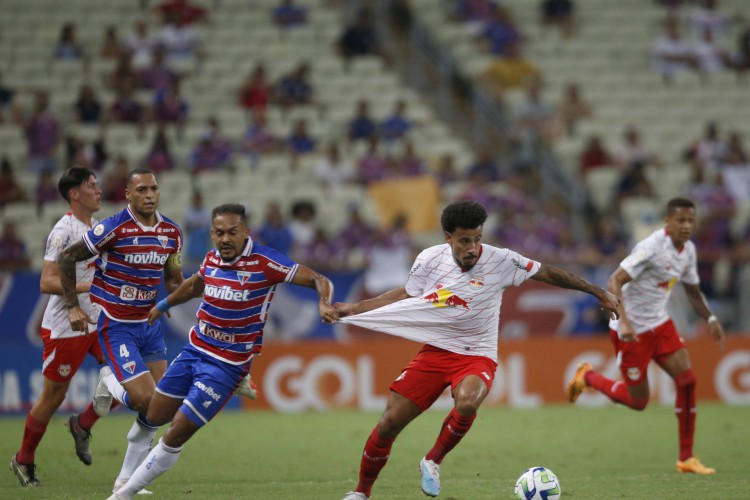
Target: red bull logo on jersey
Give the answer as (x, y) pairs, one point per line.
(476, 282)
(667, 285)
(443, 297)
(146, 258)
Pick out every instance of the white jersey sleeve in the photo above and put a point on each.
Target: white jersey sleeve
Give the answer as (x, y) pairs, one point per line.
(418, 276)
(59, 238)
(690, 276)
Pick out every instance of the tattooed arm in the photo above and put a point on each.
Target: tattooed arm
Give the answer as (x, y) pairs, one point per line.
(563, 279)
(67, 262)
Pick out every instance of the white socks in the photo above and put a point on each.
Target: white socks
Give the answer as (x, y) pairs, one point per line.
(159, 461)
(114, 388)
(140, 439)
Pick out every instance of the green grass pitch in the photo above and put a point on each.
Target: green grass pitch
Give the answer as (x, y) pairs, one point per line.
(596, 453)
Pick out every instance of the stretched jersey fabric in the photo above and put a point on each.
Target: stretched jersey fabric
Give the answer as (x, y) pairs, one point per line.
(655, 265)
(236, 298)
(67, 231)
(452, 308)
(130, 263)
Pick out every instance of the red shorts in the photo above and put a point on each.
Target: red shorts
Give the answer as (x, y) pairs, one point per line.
(634, 357)
(425, 377)
(62, 357)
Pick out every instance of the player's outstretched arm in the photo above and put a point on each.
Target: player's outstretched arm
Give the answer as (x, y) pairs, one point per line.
(554, 276)
(311, 279)
(389, 297)
(188, 289)
(67, 262)
(700, 306)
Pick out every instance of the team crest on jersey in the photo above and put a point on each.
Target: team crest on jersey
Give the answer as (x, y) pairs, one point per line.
(634, 373)
(129, 367)
(163, 240)
(63, 370)
(243, 276)
(99, 230)
(476, 282)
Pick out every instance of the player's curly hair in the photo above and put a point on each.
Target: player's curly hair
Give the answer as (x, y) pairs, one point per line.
(463, 214)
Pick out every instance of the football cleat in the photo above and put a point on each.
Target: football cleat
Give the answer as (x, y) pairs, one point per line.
(102, 396)
(26, 473)
(430, 477)
(694, 466)
(355, 495)
(246, 388)
(578, 383)
(81, 438)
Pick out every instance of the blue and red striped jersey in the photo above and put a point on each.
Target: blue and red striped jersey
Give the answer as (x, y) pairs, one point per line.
(236, 298)
(130, 263)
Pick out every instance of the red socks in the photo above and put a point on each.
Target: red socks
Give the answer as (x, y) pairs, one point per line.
(88, 417)
(455, 427)
(32, 434)
(614, 390)
(685, 410)
(374, 458)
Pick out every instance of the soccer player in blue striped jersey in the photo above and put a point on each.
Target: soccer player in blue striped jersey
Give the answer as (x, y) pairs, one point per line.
(134, 248)
(237, 281)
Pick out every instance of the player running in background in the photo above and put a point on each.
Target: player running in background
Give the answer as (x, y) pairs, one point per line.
(64, 348)
(133, 248)
(237, 281)
(645, 331)
(451, 302)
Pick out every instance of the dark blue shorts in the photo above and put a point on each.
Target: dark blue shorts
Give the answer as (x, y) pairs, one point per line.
(203, 382)
(128, 347)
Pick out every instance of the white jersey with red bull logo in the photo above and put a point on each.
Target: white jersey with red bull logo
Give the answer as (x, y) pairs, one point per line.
(450, 307)
(655, 266)
(67, 231)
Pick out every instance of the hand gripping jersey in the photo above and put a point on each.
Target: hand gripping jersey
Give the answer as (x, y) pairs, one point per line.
(130, 263)
(236, 298)
(67, 231)
(451, 308)
(655, 266)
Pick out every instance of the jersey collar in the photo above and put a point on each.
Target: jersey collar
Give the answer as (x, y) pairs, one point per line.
(245, 253)
(159, 220)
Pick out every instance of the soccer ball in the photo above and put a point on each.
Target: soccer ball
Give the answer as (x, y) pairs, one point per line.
(538, 483)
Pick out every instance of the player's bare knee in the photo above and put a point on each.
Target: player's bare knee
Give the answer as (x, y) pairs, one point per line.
(467, 408)
(389, 427)
(139, 400)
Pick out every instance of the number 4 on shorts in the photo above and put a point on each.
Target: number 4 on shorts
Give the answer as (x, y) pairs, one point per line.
(124, 353)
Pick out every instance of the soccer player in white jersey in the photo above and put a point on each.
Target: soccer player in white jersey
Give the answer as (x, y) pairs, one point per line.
(64, 348)
(645, 331)
(451, 303)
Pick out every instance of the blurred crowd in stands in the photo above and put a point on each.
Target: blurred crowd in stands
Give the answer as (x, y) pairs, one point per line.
(371, 150)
